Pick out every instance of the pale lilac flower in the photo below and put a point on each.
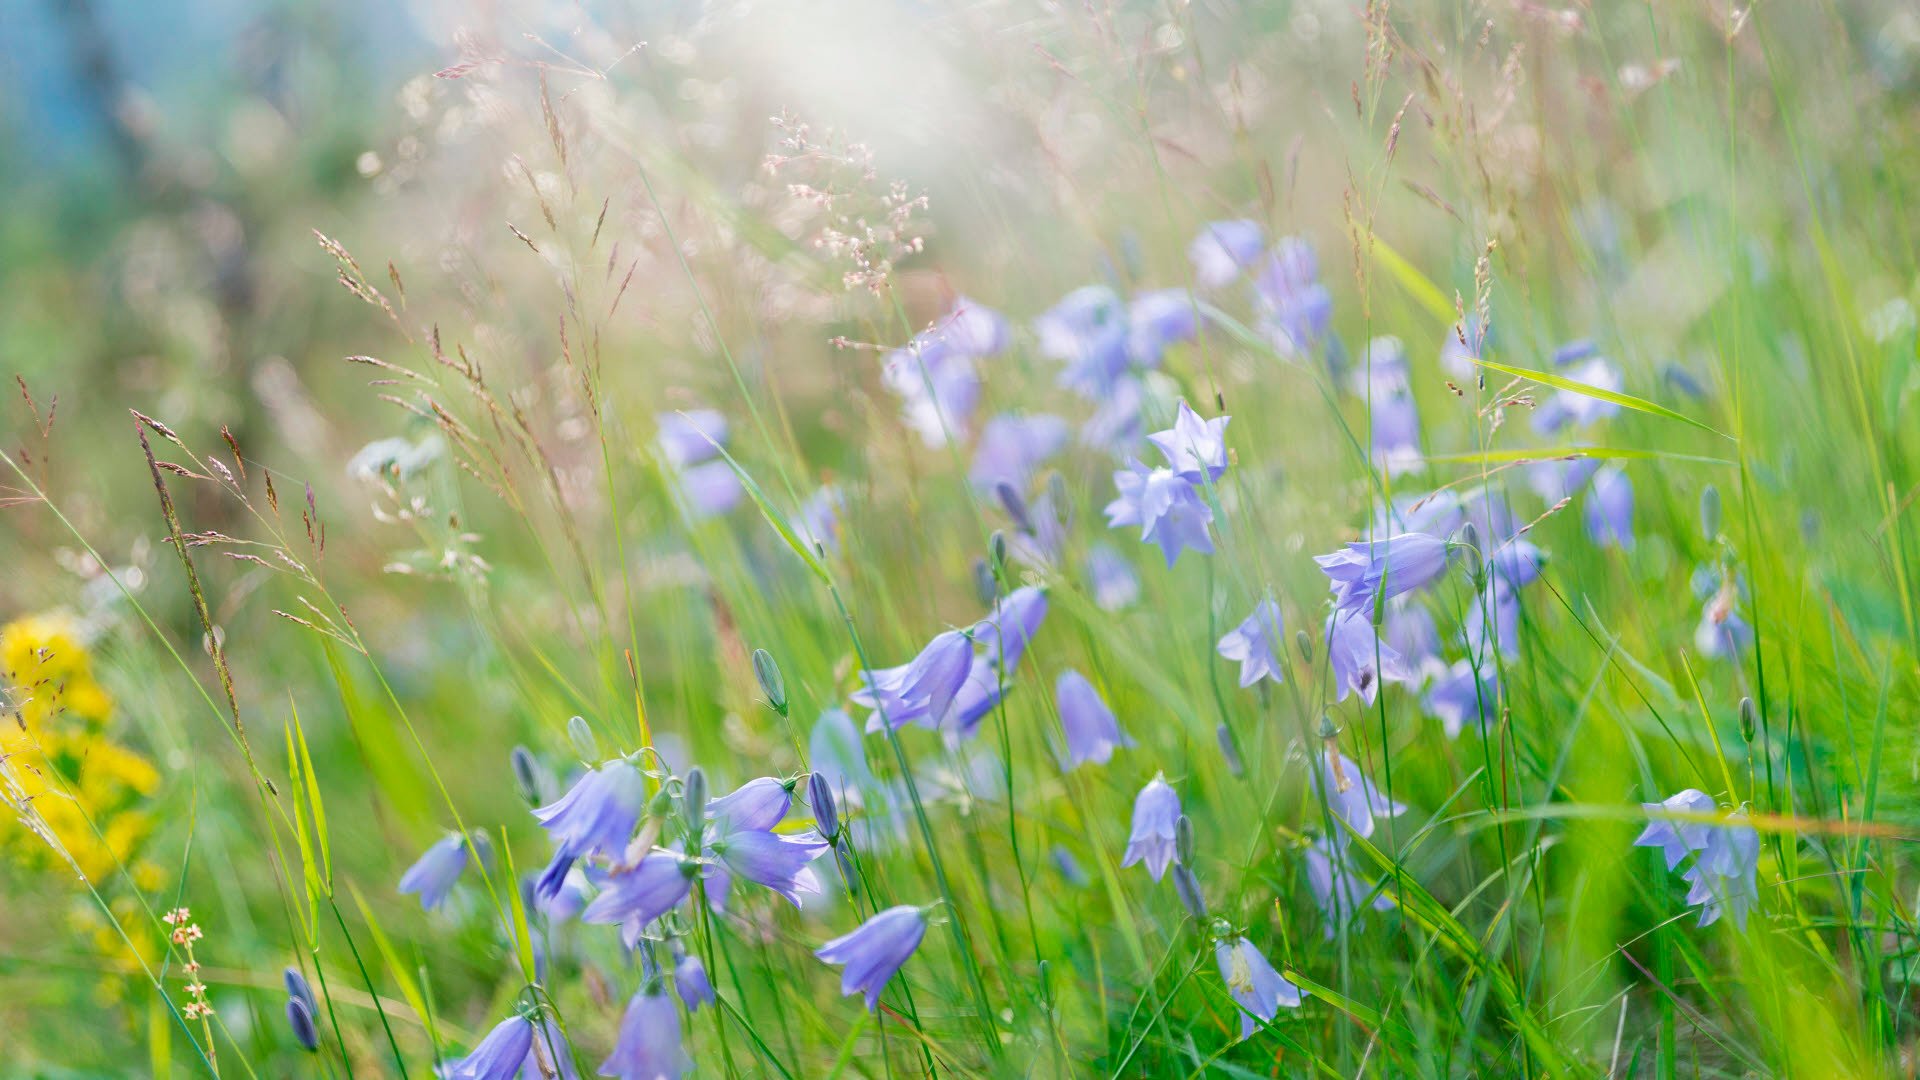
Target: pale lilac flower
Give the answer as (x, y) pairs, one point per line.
(1290, 304)
(1722, 630)
(689, 438)
(1394, 428)
(938, 387)
(1459, 695)
(1223, 250)
(1338, 891)
(711, 488)
(499, 1056)
(1560, 478)
(1092, 732)
(432, 876)
(1111, 578)
(760, 803)
(1676, 838)
(1361, 661)
(648, 1046)
(637, 896)
(1575, 351)
(1157, 319)
(1088, 331)
(1493, 618)
(1370, 570)
(1382, 371)
(1168, 510)
(1571, 407)
(1609, 509)
(835, 750)
(871, 954)
(597, 815)
(973, 329)
(1011, 447)
(1437, 513)
(1516, 563)
(1255, 645)
(922, 689)
(1115, 427)
(1351, 797)
(1015, 617)
(1195, 449)
(1259, 990)
(1409, 629)
(1156, 810)
(690, 981)
(978, 696)
(818, 522)
(780, 863)
(1725, 854)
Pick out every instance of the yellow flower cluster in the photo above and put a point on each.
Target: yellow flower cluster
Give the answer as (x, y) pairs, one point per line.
(90, 791)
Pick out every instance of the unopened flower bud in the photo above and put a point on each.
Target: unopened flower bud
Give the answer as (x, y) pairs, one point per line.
(1746, 719)
(1183, 840)
(580, 733)
(1014, 504)
(825, 813)
(1187, 888)
(772, 683)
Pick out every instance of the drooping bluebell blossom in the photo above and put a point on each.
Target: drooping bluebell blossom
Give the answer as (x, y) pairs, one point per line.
(1111, 579)
(1156, 810)
(1351, 797)
(1493, 619)
(1092, 732)
(1167, 508)
(1255, 645)
(818, 522)
(560, 891)
(1158, 319)
(1361, 661)
(1195, 449)
(1560, 478)
(648, 1046)
(1459, 695)
(1087, 331)
(1573, 408)
(637, 896)
(923, 689)
(1394, 430)
(689, 438)
(1383, 569)
(711, 488)
(1015, 618)
(1257, 988)
(432, 876)
(690, 981)
(597, 815)
(1116, 427)
(973, 329)
(938, 387)
(1290, 305)
(1409, 630)
(1338, 891)
(760, 803)
(1011, 447)
(1516, 563)
(1223, 250)
(1382, 370)
(780, 863)
(302, 1010)
(1609, 509)
(499, 1056)
(871, 954)
(1725, 854)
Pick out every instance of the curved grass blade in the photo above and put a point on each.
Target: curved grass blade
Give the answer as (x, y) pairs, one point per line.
(1625, 401)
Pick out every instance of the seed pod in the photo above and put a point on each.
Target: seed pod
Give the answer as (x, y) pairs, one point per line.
(772, 683)
(1183, 840)
(1328, 729)
(1305, 644)
(1710, 512)
(825, 813)
(1187, 888)
(1746, 719)
(693, 797)
(580, 733)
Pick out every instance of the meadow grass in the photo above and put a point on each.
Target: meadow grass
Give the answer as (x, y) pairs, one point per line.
(262, 679)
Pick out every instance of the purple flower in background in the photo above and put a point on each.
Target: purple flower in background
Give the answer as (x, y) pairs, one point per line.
(1168, 510)
(1255, 645)
(1351, 797)
(973, 329)
(1110, 578)
(834, 750)
(1494, 614)
(1223, 250)
(1361, 661)
(922, 689)
(1337, 890)
(642, 894)
(1516, 563)
(778, 862)
(1677, 839)
(1259, 990)
(1115, 427)
(1409, 629)
(648, 1046)
(1610, 509)
(760, 803)
(711, 488)
(690, 981)
(1382, 371)
(1560, 478)
(938, 389)
(431, 877)
(1459, 694)
(1575, 351)
(1087, 331)
(1722, 630)
(1195, 449)
(499, 1056)
(1394, 424)
(1436, 513)
(597, 815)
(688, 438)
(1487, 511)
(1092, 732)
(818, 522)
(1571, 407)
(872, 954)
(1290, 304)
(1156, 320)
(1461, 347)
(1011, 447)
(1383, 569)
(1015, 617)
(1155, 811)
